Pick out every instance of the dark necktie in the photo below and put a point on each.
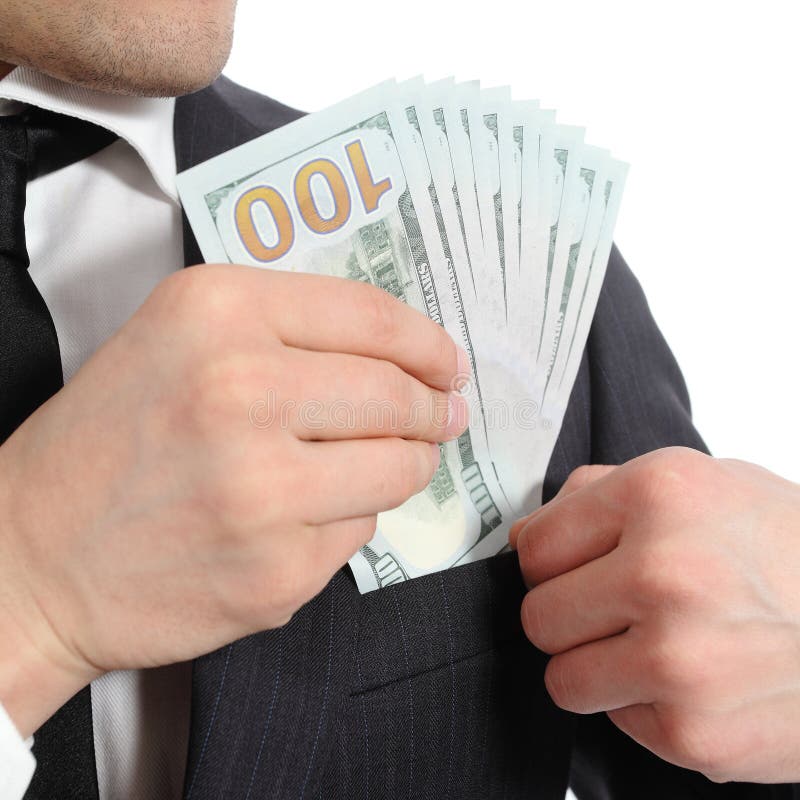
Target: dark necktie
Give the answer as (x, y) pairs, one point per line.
(32, 144)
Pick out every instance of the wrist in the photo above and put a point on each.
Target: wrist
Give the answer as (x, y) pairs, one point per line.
(37, 672)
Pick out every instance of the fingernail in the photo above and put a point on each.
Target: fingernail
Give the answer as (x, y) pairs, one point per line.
(464, 373)
(457, 415)
(437, 457)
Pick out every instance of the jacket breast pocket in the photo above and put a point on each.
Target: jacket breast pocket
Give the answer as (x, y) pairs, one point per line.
(447, 695)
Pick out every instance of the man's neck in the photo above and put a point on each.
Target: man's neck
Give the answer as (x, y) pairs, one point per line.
(5, 69)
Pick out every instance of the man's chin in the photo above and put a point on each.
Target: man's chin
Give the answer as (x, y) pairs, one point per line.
(164, 73)
(155, 85)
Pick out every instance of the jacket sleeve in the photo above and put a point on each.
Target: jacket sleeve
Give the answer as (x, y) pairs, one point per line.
(639, 403)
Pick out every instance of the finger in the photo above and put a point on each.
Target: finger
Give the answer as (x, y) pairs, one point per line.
(319, 551)
(580, 606)
(361, 477)
(516, 528)
(577, 479)
(337, 542)
(573, 529)
(583, 476)
(599, 676)
(354, 397)
(346, 316)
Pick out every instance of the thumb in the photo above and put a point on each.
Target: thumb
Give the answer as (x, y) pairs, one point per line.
(578, 478)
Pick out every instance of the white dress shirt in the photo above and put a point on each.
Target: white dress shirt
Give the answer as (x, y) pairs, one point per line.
(101, 234)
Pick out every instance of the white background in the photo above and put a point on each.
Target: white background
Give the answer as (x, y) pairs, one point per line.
(700, 97)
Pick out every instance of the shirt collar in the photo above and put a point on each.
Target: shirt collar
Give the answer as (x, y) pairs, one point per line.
(143, 122)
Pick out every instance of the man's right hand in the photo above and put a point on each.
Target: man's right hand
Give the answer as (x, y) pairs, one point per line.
(153, 510)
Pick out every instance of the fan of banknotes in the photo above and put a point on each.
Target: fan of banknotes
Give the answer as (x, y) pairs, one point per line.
(481, 212)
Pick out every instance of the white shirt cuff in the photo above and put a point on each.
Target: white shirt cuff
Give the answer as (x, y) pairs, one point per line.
(17, 763)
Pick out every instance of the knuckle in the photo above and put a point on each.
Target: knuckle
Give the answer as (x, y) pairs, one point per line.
(674, 666)
(364, 529)
(196, 295)
(676, 456)
(396, 474)
(685, 458)
(420, 467)
(380, 315)
(666, 667)
(415, 468)
(652, 576)
(214, 394)
(428, 417)
(581, 474)
(691, 743)
(397, 390)
(666, 578)
(579, 477)
(173, 289)
(231, 499)
(668, 476)
(534, 621)
(681, 666)
(247, 499)
(529, 548)
(560, 683)
(226, 391)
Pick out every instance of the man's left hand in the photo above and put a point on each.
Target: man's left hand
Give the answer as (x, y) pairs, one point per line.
(667, 591)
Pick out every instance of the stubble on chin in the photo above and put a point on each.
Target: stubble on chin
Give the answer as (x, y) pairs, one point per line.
(102, 45)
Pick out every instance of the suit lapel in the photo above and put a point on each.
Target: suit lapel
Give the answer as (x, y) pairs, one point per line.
(265, 709)
(205, 126)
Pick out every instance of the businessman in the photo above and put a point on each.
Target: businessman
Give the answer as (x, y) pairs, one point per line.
(174, 616)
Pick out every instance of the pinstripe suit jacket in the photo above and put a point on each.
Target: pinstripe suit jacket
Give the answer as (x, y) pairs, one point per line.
(429, 688)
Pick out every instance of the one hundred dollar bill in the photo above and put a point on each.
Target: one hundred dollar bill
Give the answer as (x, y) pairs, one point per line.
(585, 203)
(492, 153)
(591, 270)
(564, 171)
(533, 129)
